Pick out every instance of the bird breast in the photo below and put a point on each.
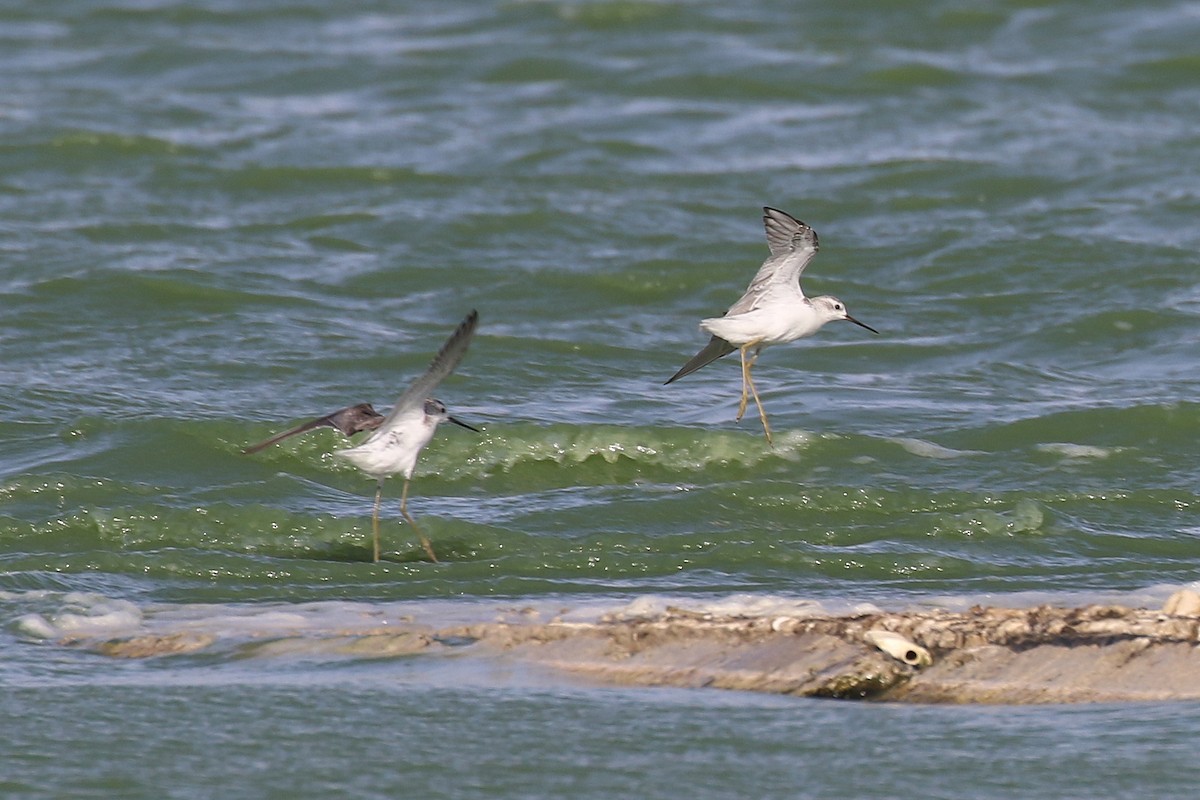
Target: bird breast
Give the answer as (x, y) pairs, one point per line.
(769, 325)
(390, 452)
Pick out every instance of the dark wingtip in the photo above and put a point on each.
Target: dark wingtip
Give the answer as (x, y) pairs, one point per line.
(716, 348)
(468, 323)
(466, 327)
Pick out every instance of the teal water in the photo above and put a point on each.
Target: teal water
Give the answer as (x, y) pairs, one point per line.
(219, 218)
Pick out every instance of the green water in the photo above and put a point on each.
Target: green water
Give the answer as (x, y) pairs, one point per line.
(218, 219)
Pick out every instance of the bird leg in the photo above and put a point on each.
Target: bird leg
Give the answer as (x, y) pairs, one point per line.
(404, 510)
(375, 520)
(748, 383)
(761, 413)
(745, 381)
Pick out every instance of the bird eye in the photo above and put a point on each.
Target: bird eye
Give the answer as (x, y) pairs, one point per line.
(837, 306)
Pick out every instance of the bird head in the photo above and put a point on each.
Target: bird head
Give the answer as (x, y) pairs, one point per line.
(832, 309)
(436, 411)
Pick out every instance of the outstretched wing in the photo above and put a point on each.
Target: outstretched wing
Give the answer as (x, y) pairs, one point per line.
(443, 364)
(349, 420)
(793, 244)
(716, 348)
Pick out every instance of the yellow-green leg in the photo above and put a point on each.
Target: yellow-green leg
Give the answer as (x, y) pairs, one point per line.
(748, 387)
(745, 380)
(761, 413)
(375, 520)
(404, 510)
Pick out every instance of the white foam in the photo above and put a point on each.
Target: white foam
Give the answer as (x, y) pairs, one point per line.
(1147, 597)
(80, 614)
(37, 626)
(90, 615)
(116, 621)
(1069, 450)
(739, 605)
(349, 618)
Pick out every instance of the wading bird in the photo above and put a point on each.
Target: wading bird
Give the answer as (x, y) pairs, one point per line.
(398, 438)
(773, 310)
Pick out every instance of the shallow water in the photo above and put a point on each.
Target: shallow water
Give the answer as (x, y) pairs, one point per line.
(218, 220)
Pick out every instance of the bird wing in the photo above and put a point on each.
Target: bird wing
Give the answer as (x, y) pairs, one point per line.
(443, 364)
(716, 348)
(349, 421)
(362, 417)
(793, 244)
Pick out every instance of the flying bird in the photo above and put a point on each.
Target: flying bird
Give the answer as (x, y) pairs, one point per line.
(773, 310)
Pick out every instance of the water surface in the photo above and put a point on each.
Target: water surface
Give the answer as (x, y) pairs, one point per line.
(216, 220)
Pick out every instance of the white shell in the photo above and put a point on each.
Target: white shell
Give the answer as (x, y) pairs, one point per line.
(899, 648)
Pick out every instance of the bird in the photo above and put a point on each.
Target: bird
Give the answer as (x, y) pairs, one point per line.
(773, 309)
(398, 438)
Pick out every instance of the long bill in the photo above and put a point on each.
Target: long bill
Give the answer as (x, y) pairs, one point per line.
(462, 424)
(861, 324)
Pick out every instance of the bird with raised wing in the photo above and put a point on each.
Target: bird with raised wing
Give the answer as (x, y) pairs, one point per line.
(773, 310)
(398, 438)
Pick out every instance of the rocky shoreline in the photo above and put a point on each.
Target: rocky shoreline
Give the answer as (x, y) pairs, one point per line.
(1045, 654)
